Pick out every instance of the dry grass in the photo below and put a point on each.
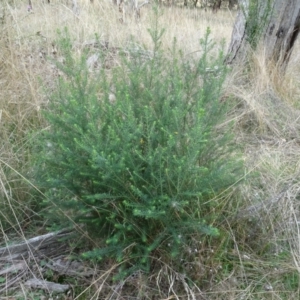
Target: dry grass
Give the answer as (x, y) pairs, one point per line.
(262, 242)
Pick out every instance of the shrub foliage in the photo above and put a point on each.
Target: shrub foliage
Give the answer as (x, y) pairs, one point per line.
(134, 153)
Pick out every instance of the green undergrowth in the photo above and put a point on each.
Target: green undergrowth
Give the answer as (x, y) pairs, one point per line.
(138, 153)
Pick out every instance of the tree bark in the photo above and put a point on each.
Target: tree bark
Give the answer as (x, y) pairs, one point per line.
(231, 3)
(237, 45)
(216, 5)
(279, 33)
(282, 30)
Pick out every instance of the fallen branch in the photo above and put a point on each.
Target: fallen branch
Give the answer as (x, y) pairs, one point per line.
(51, 287)
(47, 245)
(70, 268)
(34, 257)
(12, 281)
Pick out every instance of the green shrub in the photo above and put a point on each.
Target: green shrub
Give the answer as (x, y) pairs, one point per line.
(257, 18)
(138, 168)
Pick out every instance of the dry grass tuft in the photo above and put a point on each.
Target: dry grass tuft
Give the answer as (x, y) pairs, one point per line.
(266, 105)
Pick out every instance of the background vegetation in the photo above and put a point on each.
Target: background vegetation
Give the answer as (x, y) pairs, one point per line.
(256, 255)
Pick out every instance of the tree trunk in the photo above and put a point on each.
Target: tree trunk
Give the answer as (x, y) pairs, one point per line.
(279, 28)
(216, 5)
(237, 51)
(231, 3)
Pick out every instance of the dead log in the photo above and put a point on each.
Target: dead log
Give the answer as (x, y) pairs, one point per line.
(47, 245)
(16, 267)
(48, 286)
(70, 268)
(13, 275)
(33, 259)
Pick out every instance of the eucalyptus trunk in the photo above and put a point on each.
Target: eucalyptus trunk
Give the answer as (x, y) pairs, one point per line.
(275, 23)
